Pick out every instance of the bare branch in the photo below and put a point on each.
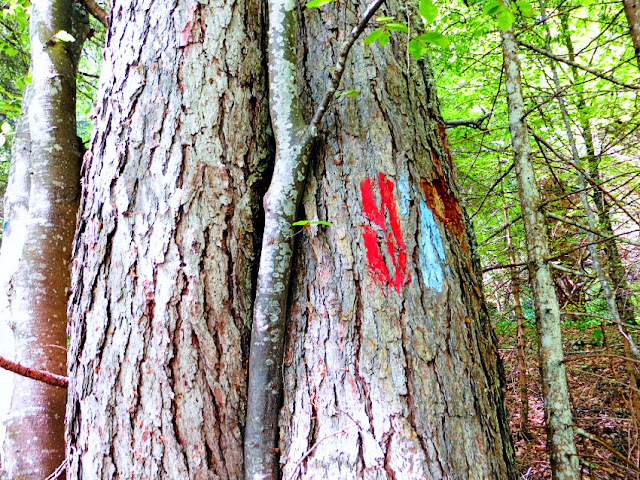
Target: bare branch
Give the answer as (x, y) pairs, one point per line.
(475, 123)
(568, 221)
(98, 12)
(34, 373)
(590, 70)
(342, 62)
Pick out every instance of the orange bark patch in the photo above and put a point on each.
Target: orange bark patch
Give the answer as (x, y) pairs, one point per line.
(444, 205)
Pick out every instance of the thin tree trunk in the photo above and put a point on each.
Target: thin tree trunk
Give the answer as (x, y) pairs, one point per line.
(632, 11)
(166, 244)
(16, 216)
(562, 450)
(516, 288)
(34, 445)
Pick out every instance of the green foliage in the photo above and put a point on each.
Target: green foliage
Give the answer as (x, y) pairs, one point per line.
(317, 3)
(303, 223)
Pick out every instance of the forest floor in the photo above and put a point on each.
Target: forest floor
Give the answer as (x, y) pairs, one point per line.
(599, 390)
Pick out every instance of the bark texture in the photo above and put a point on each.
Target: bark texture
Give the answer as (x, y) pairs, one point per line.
(562, 450)
(632, 11)
(391, 369)
(40, 246)
(165, 246)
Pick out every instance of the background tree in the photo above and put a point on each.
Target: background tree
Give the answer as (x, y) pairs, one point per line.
(47, 167)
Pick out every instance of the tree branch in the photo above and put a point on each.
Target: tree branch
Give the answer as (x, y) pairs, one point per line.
(35, 374)
(294, 139)
(475, 123)
(593, 72)
(98, 12)
(568, 221)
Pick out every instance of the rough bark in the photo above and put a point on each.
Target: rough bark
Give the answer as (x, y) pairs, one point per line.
(632, 11)
(390, 365)
(34, 445)
(294, 139)
(564, 461)
(166, 245)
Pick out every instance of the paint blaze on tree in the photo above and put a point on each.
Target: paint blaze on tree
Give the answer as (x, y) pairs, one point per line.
(390, 367)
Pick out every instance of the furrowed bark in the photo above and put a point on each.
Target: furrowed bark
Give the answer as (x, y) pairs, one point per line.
(34, 444)
(167, 237)
(294, 140)
(562, 450)
(390, 366)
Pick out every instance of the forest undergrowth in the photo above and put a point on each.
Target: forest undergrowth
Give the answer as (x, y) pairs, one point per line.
(598, 386)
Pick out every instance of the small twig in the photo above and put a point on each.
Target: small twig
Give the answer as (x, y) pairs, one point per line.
(569, 221)
(495, 184)
(56, 473)
(315, 445)
(606, 445)
(474, 123)
(342, 63)
(593, 72)
(35, 374)
(98, 12)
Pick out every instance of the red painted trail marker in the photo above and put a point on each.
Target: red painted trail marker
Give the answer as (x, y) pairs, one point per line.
(393, 236)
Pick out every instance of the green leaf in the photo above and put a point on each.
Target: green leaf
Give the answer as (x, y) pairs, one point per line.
(317, 3)
(597, 334)
(384, 38)
(349, 93)
(320, 222)
(505, 20)
(417, 49)
(28, 79)
(428, 10)
(384, 19)
(381, 35)
(63, 36)
(397, 27)
(494, 7)
(6, 128)
(300, 223)
(435, 38)
(525, 8)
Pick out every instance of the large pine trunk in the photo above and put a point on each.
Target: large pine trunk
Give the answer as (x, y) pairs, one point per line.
(391, 368)
(165, 247)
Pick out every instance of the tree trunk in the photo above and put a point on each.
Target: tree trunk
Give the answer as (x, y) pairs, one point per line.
(34, 445)
(166, 246)
(391, 369)
(16, 216)
(516, 288)
(632, 11)
(388, 337)
(561, 445)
